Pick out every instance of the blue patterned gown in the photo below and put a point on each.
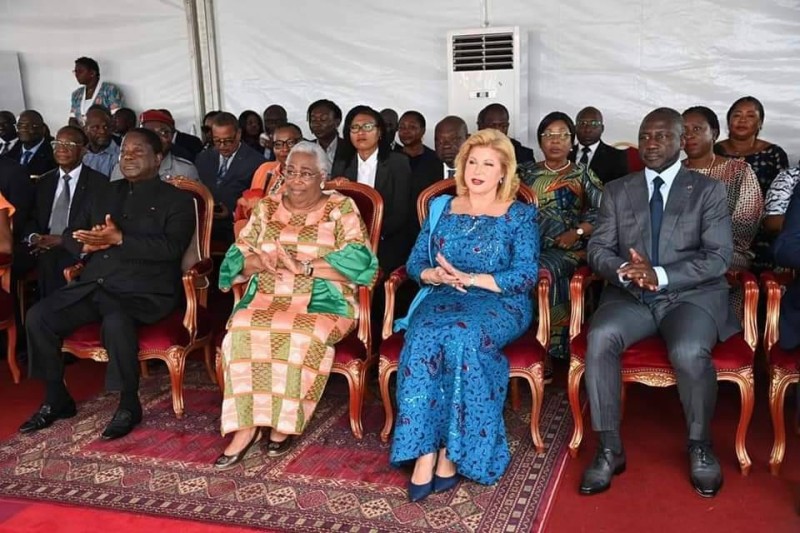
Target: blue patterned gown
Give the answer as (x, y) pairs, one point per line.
(452, 377)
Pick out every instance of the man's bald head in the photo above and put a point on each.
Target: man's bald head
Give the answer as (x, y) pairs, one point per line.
(450, 133)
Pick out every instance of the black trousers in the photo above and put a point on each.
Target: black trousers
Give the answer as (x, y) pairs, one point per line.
(56, 316)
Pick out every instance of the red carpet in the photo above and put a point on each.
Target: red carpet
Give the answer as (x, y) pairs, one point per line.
(328, 482)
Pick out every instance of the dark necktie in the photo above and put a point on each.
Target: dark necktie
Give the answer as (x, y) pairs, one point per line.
(26, 157)
(585, 157)
(223, 169)
(656, 215)
(59, 219)
(451, 173)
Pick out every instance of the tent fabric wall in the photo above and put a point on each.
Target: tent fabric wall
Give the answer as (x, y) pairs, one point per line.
(140, 45)
(625, 57)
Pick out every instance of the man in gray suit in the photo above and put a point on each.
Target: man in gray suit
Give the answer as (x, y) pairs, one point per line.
(663, 242)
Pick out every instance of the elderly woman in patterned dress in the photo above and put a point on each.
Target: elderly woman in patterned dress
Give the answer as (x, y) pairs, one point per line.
(302, 253)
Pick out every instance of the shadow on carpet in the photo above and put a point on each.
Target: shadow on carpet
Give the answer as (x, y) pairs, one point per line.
(329, 481)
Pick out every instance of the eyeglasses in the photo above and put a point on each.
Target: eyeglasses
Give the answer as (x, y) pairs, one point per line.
(367, 126)
(67, 145)
(223, 142)
(590, 123)
(556, 135)
(302, 175)
(288, 143)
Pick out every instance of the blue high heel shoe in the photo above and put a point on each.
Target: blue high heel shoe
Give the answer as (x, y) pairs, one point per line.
(443, 484)
(419, 492)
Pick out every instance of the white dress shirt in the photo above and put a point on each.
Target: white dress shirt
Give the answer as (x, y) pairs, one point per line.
(367, 169)
(32, 150)
(331, 149)
(447, 171)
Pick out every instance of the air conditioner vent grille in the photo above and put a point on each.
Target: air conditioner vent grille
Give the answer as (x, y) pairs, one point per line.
(493, 51)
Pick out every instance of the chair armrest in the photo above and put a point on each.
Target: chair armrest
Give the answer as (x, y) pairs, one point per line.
(365, 317)
(71, 273)
(749, 284)
(580, 281)
(392, 283)
(772, 283)
(543, 301)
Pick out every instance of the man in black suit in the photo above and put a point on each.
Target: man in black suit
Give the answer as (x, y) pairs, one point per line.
(426, 167)
(324, 118)
(123, 120)
(607, 162)
(227, 170)
(184, 145)
(32, 151)
(495, 116)
(786, 251)
(8, 131)
(60, 196)
(448, 136)
(391, 120)
(132, 236)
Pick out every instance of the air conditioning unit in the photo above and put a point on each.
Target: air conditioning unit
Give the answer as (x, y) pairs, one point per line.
(486, 66)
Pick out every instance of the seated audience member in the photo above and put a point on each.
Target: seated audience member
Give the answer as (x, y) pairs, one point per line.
(33, 150)
(184, 145)
(426, 167)
(268, 178)
(569, 196)
(368, 159)
(745, 120)
(324, 118)
(61, 195)
(122, 122)
(6, 213)
(132, 238)
(481, 260)
(664, 277)
(495, 116)
(172, 166)
(251, 127)
(206, 129)
(278, 351)
(787, 254)
(103, 154)
(605, 161)
(390, 119)
(448, 136)
(273, 116)
(8, 131)
(778, 196)
(226, 169)
(92, 91)
(745, 203)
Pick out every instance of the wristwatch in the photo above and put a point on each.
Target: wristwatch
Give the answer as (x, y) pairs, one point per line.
(580, 232)
(308, 270)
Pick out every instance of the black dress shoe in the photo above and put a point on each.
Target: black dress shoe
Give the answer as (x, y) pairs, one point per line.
(704, 470)
(47, 414)
(121, 424)
(226, 462)
(606, 464)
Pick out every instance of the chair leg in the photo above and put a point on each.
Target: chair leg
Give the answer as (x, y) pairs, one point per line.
(208, 350)
(143, 369)
(535, 380)
(576, 370)
(20, 287)
(176, 363)
(515, 401)
(385, 375)
(218, 368)
(777, 395)
(746, 388)
(11, 352)
(355, 385)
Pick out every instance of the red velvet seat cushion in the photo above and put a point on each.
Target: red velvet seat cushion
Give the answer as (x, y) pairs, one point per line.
(6, 306)
(159, 336)
(350, 349)
(732, 354)
(787, 360)
(391, 347)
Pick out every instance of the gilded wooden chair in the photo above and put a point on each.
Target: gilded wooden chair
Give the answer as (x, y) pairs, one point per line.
(354, 355)
(186, 329)
(646, 361)
(784, 365)
(526, 355)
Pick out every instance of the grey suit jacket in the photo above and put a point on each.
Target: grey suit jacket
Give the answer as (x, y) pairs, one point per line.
(695, 245)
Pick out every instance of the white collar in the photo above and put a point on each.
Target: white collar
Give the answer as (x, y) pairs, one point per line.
(370, 160)
(592, 147)
(74, 173)
(668, 174)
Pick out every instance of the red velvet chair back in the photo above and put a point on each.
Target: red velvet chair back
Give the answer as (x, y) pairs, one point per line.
(368, 201)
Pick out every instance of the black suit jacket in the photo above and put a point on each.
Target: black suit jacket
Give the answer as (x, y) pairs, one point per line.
(786, 251)
(426, 169)
(608, 163)
(190, 145)
(42, 161)
(399, 229)
(157, 222)
(17, 187)
(236, 181)
(523, 154)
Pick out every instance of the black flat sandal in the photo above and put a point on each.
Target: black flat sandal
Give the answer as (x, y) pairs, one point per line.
(226, 462)
(278, 449)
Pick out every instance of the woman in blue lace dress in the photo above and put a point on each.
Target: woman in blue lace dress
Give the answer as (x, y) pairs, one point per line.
(481, 260)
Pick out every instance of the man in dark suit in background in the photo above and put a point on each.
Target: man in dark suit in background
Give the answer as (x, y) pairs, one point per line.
(324, 118)
(8, 131)
(183, 144)
(227, 170)
(132, 235)
(60, 196)
(665, 277)
(607, 162)
(495, 116)
(426, 167)
(786, 251)
(123, 120)
(32, 151)
(448, 136)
